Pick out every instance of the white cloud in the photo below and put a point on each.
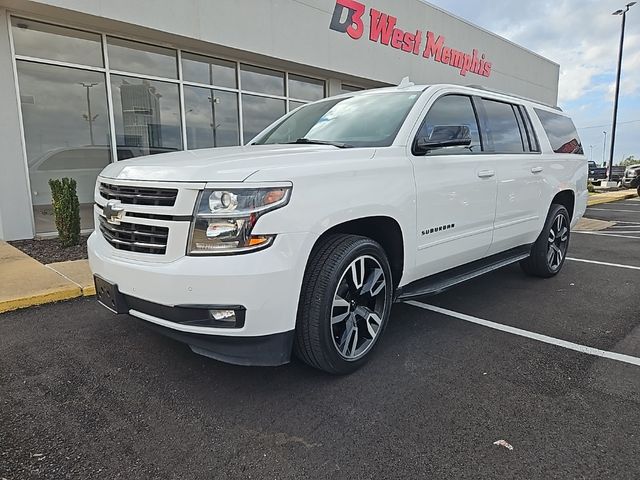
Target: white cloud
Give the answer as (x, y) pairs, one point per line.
(581, 35)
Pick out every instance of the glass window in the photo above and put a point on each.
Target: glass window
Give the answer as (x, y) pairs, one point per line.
(212, 118)
(41, 40)
(128, 56)
(452, 110)
(561, 132)
(262, 80)
(293, 105)
(258, 113)
(66, 130)
(305, 88)
(502, 127)
(147, 115)
(211, 71)
(370, 120)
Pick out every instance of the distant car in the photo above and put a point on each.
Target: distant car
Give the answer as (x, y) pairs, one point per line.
(631, 178)
(617, 173)
(596, 173)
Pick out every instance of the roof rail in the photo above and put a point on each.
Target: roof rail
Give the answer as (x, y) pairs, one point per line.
(491, 90)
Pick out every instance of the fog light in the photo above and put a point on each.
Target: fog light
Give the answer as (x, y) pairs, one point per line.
(223, 315)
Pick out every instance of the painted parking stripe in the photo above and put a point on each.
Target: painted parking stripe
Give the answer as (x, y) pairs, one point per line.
(606, 264)
(605, 234)
(590, 209)
(532, 335)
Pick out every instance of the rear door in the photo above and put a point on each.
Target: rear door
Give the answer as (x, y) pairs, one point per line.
(519, 173)
(456, 190)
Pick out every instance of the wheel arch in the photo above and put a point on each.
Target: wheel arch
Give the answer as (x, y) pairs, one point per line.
(566, 198)
(383, 229)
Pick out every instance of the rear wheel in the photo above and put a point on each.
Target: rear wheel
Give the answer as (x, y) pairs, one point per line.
(344, 303)
(549, 251)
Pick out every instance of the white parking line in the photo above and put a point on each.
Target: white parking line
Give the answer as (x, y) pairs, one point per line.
(606, 264)
(532, 335)
(611, 210)
(604, 234)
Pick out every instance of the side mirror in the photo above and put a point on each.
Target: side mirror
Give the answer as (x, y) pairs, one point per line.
(443, 136)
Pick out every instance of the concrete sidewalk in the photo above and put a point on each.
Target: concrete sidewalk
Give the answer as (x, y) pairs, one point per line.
(25, 282)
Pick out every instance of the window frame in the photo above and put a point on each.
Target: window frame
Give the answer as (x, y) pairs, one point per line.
(532, 136)
(477, 114)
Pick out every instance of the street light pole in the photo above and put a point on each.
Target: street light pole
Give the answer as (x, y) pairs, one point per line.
(617, 94)
(604, 148)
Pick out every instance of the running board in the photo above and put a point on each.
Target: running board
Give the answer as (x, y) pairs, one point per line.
(442, 281)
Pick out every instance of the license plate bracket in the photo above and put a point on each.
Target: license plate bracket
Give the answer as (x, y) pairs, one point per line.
(109, 296)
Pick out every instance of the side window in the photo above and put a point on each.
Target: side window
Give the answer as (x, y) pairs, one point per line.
(561, 131)
(502, 127)
(451, 111)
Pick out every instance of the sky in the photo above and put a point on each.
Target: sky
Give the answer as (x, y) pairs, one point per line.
(582, 37)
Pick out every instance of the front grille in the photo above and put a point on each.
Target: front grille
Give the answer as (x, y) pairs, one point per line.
(134, 237)
(164, 197)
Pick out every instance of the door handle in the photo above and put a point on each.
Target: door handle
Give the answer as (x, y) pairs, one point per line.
(536, 169)
(486, 173)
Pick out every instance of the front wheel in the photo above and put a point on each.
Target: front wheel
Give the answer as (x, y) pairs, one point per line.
(549, 251)
(345, 303)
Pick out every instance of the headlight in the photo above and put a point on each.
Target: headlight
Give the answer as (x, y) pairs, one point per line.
(224, 218)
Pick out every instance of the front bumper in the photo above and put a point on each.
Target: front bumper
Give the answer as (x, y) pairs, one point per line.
(266, 284)
(632, 182)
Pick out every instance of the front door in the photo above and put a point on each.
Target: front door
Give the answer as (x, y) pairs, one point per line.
(456, 191)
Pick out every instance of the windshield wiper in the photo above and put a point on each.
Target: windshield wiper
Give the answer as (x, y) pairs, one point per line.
(309, 141)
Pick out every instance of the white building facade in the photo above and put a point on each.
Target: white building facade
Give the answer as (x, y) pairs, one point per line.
(87, 82)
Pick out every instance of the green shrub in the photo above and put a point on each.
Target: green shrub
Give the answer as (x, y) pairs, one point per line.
(66, 208)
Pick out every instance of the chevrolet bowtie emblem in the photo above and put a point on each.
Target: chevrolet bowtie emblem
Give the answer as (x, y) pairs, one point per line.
(113, 212)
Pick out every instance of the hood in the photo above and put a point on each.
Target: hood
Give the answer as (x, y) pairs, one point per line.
(227, 164)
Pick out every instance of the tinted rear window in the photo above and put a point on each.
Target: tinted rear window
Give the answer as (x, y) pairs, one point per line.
(503, 127)
(561, 131)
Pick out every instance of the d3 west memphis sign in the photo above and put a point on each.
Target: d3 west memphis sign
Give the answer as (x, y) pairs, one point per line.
(348, 18)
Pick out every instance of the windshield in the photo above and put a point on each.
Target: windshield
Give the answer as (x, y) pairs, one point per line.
(366, 120)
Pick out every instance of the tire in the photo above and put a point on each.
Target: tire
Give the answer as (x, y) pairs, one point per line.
(549, 251)
(638, 190)
(345, 302)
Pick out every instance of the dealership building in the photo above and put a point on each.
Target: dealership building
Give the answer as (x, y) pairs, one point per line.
(88, 82)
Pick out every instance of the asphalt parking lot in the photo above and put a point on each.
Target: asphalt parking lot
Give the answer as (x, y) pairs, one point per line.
(87, 395)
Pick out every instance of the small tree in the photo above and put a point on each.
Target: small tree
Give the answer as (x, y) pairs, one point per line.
(630, 161)
(66, 208)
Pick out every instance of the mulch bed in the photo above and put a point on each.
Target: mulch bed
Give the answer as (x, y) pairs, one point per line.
(50, 251)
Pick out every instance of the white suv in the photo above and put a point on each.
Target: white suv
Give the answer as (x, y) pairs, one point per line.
(302, 240)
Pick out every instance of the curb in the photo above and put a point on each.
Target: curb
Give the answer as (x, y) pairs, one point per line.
(607, 199)
(55, 295)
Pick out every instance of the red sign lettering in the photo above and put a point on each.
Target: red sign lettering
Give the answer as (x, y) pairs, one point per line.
(383, 29)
